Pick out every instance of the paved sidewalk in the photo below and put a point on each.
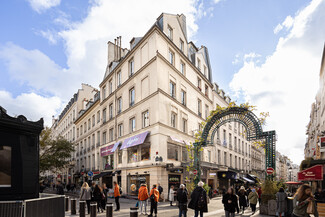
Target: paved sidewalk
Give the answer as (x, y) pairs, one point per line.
(165, 210)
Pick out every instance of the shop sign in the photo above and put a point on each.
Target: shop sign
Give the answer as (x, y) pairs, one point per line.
(106, 150)
(138, 178)
(314, 173)
(174, 179)
(134, 140)
(213, 174)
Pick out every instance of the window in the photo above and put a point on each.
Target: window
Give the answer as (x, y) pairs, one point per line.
(172, 89)
(110, 111)
(119, 79)
(235, 162)
(145, 119)
(111, 134)
(104, 137)
(206, 111)
(206, 91)
(235, 143)
(199, 64)
(205, 71)
(120, 130)
(104, 92)
(181, 45)
(182, 66)
(199, 83)
(171, 57)
(77, 132)
(183, 97)
(131, 67)
(132, 125)
(98, 116)
(131, 93)
(120, 156)
(170, 32)
(145, 152)
(85, 127)
(93, 139)
(184, 128)
(89, 124)
(133, 154)
(219, 156)
(173, 119)
(104, 115)
(209, 156)
(230, 159)
(224, 137)
(119, 105)
(110, 86)
(184, 154)
(199, 109)
(230, 143)
(225, 158)
(172, 152)
(80, 130)
(93, 120)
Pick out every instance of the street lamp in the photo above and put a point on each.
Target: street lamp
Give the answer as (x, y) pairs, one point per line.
(290, 172)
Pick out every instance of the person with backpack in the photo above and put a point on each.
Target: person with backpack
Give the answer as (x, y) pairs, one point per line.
(199, 200)
(182, 200)
(154, 198)
(142, 197)
(230, 204)
(117, 195)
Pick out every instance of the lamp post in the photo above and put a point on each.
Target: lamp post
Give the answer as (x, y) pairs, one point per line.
(290, 172)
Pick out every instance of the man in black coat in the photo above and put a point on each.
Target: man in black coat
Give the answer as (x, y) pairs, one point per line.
(59, 188)
(229, 201)
(182, 200)
(199, 200)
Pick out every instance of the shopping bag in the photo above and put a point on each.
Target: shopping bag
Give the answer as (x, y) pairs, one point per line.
(310, 207)
(137, 204)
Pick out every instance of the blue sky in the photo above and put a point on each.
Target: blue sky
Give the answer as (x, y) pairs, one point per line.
(263, 52)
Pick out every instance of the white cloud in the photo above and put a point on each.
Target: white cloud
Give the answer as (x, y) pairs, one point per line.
(286, 83)
(287, 23)
(41, 5)
(49, 35)
(31, 105)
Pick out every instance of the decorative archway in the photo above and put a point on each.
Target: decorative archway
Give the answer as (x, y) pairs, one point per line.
(253, 128)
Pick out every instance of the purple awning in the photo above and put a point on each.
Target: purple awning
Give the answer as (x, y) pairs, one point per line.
(115, 146)
(106, 150)
(134, 140)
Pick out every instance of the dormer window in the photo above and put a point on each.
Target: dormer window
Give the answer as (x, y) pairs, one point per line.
(198, 63)
(170, 32)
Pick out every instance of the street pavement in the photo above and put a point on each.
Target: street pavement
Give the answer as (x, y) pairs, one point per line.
(165, 210)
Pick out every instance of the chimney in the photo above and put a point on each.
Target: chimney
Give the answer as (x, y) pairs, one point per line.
(53, 119)
(115, 50)
(120, 47)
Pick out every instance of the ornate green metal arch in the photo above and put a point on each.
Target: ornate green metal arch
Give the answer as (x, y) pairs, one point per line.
(253, 128)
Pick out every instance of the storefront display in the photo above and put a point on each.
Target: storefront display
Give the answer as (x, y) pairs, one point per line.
(133, 155)
(135, 181)
(174, 180)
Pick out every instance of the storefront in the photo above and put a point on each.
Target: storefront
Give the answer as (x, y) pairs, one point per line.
(226, 179)
(174, 180)
(135, 181)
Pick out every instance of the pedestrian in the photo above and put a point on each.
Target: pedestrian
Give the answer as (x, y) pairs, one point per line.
(59, 188)
(98, 196)
(248, 191)
(154, 198)
(281, 203)
(104, 200)
(301, 200)
(92, 188)
(199, 200)
(142, 197)
(224, 190)
(85, 195)
(229, 201)
(259, 192)
(253, 198)
(117, 196)
(242, 199)
(171, 195)
(319, 195)
(182, 200)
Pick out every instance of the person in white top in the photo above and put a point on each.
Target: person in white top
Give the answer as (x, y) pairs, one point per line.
(171, 195)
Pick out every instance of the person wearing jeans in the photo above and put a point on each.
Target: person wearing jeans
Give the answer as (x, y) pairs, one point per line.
(117, 196)
(199, 200)
(154, 198)
(142, 197)
(182, 200)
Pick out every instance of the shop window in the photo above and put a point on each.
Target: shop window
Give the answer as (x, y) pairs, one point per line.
(145, 152)
(108, 162)
(172, 153)
(132, 154)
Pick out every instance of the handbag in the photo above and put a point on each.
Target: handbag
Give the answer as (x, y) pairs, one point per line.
(310, 208)
(137, 204)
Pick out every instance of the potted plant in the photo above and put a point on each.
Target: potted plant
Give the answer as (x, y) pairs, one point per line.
(269, 189)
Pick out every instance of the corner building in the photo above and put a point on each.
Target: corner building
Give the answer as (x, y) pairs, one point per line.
(152, 100)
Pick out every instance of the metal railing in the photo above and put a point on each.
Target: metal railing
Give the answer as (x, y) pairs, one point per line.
(11, 208)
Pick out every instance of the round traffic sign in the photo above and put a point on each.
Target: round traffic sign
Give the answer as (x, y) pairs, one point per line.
(194, 172)
(270, 171)
(90, 173)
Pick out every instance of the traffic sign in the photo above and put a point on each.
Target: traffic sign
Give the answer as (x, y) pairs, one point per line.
(194, 172)
(270, 171)
(90, 173)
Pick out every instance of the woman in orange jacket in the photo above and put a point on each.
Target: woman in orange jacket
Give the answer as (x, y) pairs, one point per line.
(117, 196)
(143, 196)
(154, 197)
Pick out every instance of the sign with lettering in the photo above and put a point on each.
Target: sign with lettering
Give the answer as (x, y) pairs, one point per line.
(134, 140)
(314, 173)
(106, 150)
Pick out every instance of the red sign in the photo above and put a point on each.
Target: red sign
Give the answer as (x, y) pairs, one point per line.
(194, 172)
(314, 173)
(270, 171)
(322, 142)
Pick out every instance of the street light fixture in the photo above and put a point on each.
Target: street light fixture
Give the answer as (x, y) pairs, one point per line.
(290, 172)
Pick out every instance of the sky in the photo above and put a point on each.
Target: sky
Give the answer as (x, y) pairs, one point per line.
(265, 52)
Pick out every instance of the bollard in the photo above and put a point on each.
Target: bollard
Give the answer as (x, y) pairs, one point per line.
(133, 211)
(73, 207)
(66, 203)
(82, 208)
(93, 210)
(109, 210)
